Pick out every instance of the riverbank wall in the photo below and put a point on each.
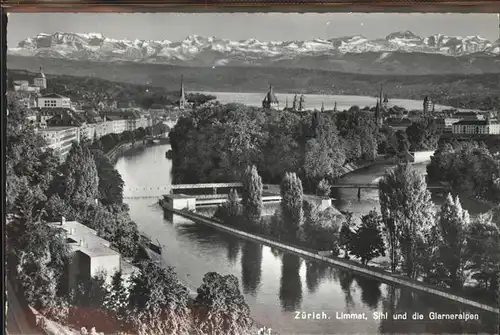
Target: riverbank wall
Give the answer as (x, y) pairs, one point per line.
(367, 271)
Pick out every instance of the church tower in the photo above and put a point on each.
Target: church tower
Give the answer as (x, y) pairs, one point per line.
(427, 106)
(182, 96)
(270, 100)
(40, 80)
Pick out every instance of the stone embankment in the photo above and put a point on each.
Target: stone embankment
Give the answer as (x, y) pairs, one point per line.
(380, 274)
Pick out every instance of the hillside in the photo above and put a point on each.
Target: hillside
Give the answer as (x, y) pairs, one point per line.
(465, 91)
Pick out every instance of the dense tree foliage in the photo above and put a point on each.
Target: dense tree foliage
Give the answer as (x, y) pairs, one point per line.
(453, 226)
(346, 236)
(321, 229)
(231, 210)
(110, 141)
(407, 214)
(252, 195)
(292, 200)
(158, 302)
(220, 308)
(469, 168)
(368, 242)
(217, 142)
(483, 251)
(423, 135)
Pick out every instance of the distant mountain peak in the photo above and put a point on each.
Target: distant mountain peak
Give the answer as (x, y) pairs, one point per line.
(209, 51)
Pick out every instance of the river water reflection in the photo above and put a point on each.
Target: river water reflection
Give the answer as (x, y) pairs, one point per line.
(277, 284)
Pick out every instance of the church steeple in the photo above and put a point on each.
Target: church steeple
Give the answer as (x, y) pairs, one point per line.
(335, 107)
(322, 106)
(40, 80)
(182, 95)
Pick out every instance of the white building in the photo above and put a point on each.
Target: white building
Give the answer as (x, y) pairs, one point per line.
(476, 127)
(60, 139)
(91, 254)
(54, 101)
(88, 131)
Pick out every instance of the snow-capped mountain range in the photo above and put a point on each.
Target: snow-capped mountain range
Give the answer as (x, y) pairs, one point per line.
(212, 51)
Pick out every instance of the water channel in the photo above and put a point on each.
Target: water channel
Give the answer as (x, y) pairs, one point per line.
(277, 284)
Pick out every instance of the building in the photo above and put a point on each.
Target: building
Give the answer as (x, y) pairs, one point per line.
(477, 127)
(88, 131)
(60, 139)
(117, 121)
(53, 100)
(270, 100)
(157, 109)
(91, 255)
(445, 124)
(40, 80)
(428, 106)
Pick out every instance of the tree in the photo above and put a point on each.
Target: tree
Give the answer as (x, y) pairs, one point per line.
(423, 135)
(252, 195)
(482, 250)
(117, 299)
(407, 214)
(230, 210)
(453, 226)
(80, 181)
(324, 188)
(346, 236)
(469, 168)
(88, 300)
(402, 144)
(324, 155)
(158, 302)
(321, 229)
(368, 241)
(110, 181)
(220, 308)
(292, 198)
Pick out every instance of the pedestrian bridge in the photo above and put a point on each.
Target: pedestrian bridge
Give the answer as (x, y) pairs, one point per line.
(158, 191)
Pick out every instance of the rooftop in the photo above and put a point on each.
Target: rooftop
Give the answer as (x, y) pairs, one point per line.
(54, 96)
(475, 122)
(95, 250)
(77, 231)
(56, 128)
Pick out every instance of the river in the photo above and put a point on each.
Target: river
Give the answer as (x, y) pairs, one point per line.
(277, 284)
(314, 101)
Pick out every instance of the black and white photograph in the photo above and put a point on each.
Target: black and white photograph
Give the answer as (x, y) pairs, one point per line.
(252, 173)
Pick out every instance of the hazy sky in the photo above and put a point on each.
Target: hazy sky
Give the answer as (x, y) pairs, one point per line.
(266, 27)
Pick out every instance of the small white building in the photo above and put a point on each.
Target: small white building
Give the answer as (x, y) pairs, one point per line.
(54, 100)
(92, 255)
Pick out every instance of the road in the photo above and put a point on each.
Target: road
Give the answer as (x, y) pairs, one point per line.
(17, 322)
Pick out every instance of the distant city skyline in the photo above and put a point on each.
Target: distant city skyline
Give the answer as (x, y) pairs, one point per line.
(239, 26)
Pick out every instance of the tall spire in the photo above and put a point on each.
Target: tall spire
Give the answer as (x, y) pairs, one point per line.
(322, 106)
(335, 107)
(182, 95)
(286, 102)
(381, 94)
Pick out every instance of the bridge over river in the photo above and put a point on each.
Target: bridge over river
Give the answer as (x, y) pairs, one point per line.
(199, 189)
